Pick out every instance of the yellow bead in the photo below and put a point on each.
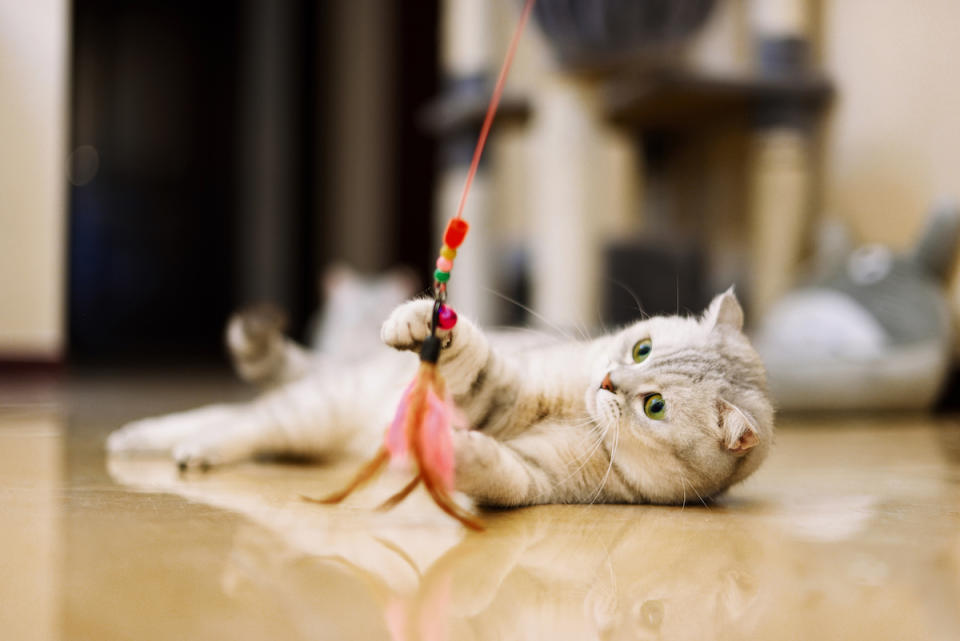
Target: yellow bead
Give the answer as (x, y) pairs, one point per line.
(448, 253)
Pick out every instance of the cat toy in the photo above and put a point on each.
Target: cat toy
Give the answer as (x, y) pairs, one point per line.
(421, 427)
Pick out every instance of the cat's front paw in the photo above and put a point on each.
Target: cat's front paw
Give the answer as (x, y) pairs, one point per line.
(409, 325)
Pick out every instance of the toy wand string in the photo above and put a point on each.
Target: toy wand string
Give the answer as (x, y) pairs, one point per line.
(424, 419)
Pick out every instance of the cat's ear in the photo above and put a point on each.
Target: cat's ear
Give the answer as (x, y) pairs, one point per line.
(737, 428)
(402, 281)
(334, 277)
(724, 311)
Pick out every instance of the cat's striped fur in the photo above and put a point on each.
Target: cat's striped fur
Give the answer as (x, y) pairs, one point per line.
(556, 422)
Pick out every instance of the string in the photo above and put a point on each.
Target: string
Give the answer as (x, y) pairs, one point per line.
(494, 103)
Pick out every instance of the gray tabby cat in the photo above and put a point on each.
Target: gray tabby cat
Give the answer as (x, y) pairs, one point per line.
(667, 410)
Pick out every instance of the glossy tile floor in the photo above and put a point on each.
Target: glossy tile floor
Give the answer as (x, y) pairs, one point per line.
(850, 531)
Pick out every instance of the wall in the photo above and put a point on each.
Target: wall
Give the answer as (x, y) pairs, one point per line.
(893, 139)
(33, 89)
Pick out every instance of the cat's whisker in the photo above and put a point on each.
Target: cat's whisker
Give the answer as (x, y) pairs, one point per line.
(601, 433)
(606, 475)
(587, 441)
(599, 436)
(538, 332)
(613, 453)
(529, 311)
(589, 428)
(692, 487)
(582, 330)
(633, 295)
(678, 293)
(585, 423)
(581, 421)
(606, 330)
(699, 497)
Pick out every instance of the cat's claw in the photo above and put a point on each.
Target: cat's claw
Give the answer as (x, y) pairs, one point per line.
(409, 325)
(196, 456)
(185, 466)
(228, 443)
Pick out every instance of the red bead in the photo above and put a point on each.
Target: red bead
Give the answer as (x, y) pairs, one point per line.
(456, 231)
(446, 317)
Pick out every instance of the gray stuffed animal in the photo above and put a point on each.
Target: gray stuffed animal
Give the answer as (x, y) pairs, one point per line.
(871, 330)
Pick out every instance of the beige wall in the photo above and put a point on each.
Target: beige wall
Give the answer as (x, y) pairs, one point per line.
(33, 67)
(893, 138)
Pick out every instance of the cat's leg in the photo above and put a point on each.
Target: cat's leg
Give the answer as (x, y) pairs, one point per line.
(159, 434)
(303, 418)
(260, 351)
(529, 470)
(484, 385)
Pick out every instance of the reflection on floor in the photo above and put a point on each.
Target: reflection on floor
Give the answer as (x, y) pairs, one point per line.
(850, 531)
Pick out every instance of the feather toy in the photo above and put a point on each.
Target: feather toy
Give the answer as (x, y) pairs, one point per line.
(421, 427)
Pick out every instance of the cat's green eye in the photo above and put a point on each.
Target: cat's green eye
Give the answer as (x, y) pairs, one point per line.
(655, 407)
(641, 350)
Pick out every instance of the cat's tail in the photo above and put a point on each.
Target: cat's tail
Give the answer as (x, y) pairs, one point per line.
(260, 352)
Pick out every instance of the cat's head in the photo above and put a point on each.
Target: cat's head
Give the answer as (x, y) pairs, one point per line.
(686, 403)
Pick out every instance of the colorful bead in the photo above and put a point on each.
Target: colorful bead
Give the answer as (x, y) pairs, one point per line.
(456, 231)
(448, 253)
(446, 317)
(441, 276)
(444, 265)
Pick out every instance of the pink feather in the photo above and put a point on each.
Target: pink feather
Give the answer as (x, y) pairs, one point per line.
(395, 440)
(436, 443)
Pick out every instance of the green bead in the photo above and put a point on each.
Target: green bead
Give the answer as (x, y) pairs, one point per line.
(441, 277)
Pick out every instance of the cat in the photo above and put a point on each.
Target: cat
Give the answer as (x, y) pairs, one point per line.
(666, 410)
(342, 331)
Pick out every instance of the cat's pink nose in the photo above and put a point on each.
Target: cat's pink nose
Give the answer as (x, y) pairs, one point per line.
(607, 384)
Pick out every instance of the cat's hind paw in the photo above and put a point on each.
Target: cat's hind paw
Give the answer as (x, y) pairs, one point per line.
(149, 435)
(160, 434)
(129, 439)
(197, 455)
(229, 442)
(409, 325)
(255, 340)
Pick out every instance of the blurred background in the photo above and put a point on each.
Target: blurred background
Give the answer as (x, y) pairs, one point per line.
(165, 163)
